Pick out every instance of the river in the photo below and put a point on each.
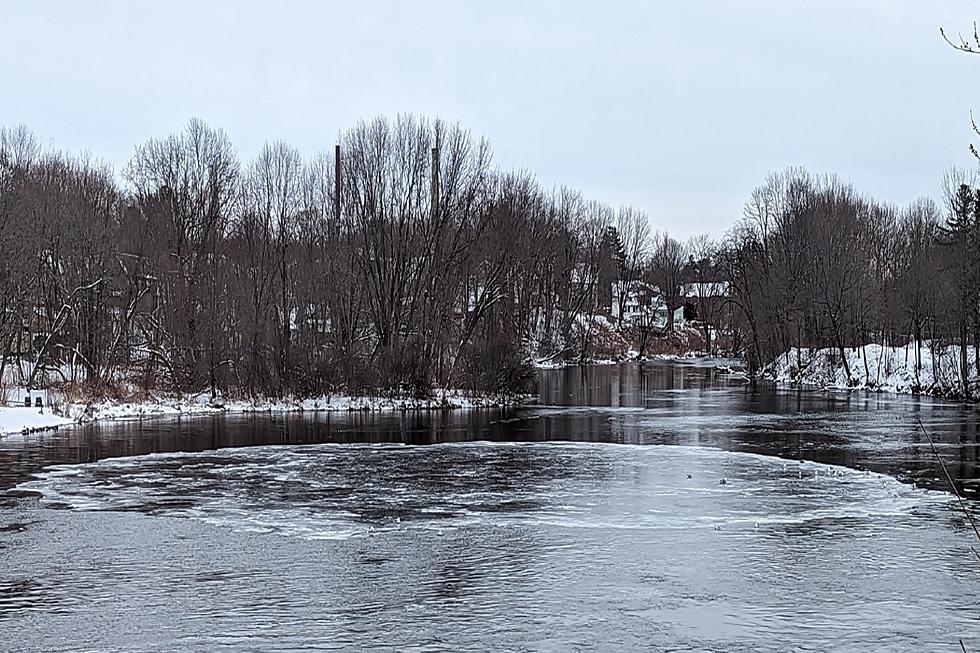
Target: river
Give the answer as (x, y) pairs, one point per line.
(654, 507)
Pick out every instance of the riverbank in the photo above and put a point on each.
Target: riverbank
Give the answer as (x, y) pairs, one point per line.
(17, 419)
(20, 420)
(927, 369)
(630, 357)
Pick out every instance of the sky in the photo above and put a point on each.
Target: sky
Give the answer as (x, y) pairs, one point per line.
(677, 107)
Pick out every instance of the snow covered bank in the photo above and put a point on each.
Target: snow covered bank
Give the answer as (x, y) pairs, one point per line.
(927, 369)
(202, 405)
(631, 357)
(19, 420)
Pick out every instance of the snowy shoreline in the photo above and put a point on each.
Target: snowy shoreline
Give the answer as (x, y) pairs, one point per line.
(14, 420)
(873, 368)
(906, 370)
(546, 364)
(631, 357)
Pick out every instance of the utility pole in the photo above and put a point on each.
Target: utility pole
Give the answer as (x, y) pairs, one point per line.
(435, 183)
(336, 182)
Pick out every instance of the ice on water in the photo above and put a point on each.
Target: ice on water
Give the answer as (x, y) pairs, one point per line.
(341, 491)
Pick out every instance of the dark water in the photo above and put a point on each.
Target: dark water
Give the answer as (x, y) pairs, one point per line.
(596, 520)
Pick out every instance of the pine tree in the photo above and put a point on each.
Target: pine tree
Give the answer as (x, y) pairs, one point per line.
(961, 234)
(612, 258)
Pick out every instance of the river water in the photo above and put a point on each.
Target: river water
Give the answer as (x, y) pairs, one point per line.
(656, 507)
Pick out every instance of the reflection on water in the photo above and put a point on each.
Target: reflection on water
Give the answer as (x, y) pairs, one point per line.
(654, 403)
(519, 530)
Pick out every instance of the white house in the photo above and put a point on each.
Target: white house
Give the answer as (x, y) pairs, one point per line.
(679, 320)
(631, 301)
(705, 289)
(642, 305)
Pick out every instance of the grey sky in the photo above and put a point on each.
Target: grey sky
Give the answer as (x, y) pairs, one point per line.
(678, 107)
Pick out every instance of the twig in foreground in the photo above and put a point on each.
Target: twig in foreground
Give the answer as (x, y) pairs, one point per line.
(952, 485)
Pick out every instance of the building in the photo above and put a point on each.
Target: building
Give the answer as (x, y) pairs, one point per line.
(692, 292)
(638, 304)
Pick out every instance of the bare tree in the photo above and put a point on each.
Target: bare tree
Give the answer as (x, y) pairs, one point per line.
(272, 199)
(186, 185)
(633, 227)
(666, 269)
(706, 282)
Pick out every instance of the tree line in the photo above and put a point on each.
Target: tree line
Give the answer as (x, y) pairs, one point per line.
(400, 261)
(403, 260)
(815, 264)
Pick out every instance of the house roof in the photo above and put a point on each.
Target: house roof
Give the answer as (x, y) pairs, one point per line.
(705, 289)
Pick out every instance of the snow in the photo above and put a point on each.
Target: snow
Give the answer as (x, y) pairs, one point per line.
(876, 367)
(202, 405)
(705, 289)
(19, 419)
(632, 356)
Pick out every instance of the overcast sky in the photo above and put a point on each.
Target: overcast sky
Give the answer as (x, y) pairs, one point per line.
(679, 107)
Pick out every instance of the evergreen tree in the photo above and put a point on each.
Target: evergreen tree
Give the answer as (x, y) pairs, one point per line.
(961, 234)
(612, 257)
